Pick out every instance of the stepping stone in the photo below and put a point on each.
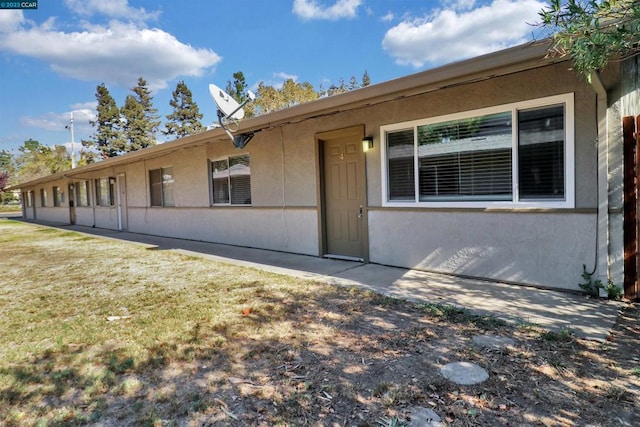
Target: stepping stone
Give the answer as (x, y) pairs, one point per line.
(492, 341)
(464, 373)
(424, 417)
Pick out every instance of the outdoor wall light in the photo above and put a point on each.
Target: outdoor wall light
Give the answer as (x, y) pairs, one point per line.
(367, 143)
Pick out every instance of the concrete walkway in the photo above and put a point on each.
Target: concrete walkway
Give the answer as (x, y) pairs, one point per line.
(586, 317)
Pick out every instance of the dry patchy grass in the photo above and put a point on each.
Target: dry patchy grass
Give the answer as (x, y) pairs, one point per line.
(195, 342)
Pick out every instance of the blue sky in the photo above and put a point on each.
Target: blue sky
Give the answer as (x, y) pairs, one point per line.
(52, 58)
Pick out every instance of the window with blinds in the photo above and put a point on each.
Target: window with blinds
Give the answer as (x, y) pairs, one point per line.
(231, 179)
(517, 154)
(58, 196)
(400, 157)
(161, 185)
(468, 159)
(541, 153)
(105, 191)
(82, 193)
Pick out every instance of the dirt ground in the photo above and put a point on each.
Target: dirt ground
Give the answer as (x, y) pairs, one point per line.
(382, 365)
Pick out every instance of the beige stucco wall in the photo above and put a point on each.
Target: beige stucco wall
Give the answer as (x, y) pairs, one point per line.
(49, 212)
(288, 230)
(542, 248)
(545, 249)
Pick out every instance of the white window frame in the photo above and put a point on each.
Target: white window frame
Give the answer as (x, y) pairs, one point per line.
(569, 157)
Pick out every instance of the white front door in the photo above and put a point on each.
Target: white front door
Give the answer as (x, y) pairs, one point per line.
(121, 201)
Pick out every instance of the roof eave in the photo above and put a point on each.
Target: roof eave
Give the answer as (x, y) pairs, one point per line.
(519, 58)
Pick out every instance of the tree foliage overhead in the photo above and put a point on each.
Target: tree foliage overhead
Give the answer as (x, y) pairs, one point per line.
(107, 140)
(36, 160)
(7, 170)
(290, 93)
(186, 116)
(139, 119)
(593, 32)
(4, 181)
(270, 99)
(343, 87)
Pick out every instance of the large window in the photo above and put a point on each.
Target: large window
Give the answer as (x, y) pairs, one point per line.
(231, 181)
(105, 191)
(82, 193)
(43, 197)
(161, 187)
(518, 154)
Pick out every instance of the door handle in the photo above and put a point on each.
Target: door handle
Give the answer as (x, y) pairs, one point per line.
(360, 212)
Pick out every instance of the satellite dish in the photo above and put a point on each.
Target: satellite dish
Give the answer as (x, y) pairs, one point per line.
(229, 111)
(228, 106)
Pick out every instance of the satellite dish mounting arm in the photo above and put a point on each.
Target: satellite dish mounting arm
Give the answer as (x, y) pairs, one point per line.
(250, 97)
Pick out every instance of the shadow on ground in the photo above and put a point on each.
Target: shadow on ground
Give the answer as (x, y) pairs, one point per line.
(350, 358)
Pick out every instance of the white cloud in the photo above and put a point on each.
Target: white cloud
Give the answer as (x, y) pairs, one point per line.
(450, 34)
(114, 54)
(59, 121)
(459, 5)
(309, 9)
(285, 76)
(276, 80)
(10, 20)
(111, 9)
(83, 113)
(79, 106)
(388, 17)
(47, 121)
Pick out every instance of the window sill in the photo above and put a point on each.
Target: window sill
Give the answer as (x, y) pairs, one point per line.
(483, 205)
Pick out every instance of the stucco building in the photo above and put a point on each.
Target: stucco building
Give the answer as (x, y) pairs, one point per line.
(507, 166)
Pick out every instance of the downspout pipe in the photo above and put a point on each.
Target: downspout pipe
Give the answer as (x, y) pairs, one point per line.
(601, 266)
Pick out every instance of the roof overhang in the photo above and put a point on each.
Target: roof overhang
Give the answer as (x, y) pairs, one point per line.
(508, 61)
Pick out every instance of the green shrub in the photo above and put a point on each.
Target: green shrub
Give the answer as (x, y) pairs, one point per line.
(592, 287)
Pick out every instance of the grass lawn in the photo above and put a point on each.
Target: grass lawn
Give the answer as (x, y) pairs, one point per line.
(102, 332)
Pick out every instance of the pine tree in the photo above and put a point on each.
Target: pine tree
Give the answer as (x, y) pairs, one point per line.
(593, 32)
(238, 91)
(337, 90)
(140, 118)
(186, 116)
(133, 123)
(366, 80)
(353, 84)
(107, 141)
